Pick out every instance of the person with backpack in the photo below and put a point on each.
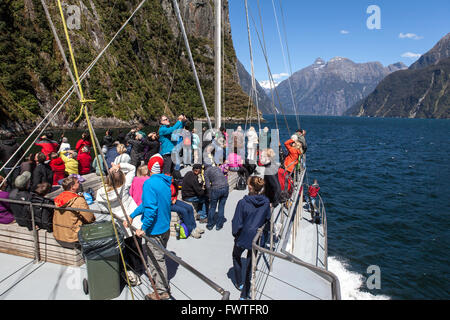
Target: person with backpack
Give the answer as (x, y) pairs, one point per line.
(43, 216)
(21, 191)
(251, 213)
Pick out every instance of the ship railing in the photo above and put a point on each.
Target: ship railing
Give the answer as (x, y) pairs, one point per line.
(259, 250)
(225, 294)
(289, 224)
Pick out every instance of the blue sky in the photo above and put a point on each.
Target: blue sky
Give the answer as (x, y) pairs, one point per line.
(326, 29)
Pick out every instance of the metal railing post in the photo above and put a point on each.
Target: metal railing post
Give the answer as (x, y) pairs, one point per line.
(37, 256)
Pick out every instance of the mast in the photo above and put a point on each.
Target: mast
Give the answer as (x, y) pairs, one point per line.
(218, 63)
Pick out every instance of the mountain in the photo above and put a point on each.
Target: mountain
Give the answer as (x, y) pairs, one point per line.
(330, 88)
(133, 79)
(440, 51)
(245, 80)
(422, 91)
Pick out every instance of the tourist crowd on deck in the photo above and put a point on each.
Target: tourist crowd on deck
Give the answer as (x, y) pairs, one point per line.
(143, 179)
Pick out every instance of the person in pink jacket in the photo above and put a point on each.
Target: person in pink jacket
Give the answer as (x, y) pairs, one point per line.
(138, 184)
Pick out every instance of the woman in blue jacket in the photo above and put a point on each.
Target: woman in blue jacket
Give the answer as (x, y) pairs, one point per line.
(165, 138)
(252, 212)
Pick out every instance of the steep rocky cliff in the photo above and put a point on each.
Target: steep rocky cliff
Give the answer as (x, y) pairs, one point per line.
(330, 88)
(143, 74)
(422, 91)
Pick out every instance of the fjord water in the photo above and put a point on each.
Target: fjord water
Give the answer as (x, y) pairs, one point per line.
(385, 184)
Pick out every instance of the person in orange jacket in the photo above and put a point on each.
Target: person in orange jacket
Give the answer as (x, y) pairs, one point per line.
(295, 151)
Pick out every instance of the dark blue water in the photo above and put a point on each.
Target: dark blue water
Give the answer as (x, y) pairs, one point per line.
(385, 184)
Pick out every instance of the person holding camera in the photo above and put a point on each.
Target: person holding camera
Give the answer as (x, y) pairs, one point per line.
(165, 138)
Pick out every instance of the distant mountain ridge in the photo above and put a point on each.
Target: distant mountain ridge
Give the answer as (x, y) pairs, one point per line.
(245, 80)
(422, 91)
(330, 88)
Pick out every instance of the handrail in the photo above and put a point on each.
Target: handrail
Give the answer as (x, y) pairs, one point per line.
(225, 294)
(325, 274)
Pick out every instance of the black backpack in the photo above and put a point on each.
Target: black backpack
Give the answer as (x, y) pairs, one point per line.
(21, 212)
(43, 217)
(241, 183)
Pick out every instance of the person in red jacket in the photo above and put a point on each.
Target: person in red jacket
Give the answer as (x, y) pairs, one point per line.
(84, 141)
(84, 161)
(313, 192)
(58, 168)
(47, 144)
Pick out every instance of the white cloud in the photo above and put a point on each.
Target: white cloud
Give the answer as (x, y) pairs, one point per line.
(409, 36)
(280, 75)
(344, 32)
(411, 55)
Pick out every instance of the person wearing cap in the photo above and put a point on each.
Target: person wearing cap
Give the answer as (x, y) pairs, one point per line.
(21, 192)
(193, 191)
(155, 212)
(67, 223)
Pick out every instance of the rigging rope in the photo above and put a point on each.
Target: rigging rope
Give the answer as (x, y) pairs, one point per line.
(92, 134)
(191, 59)
(288, 52)
(285, 66)
(253, 68)
(263, 46)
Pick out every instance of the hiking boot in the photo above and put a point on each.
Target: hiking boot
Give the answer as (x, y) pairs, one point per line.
(162, 296)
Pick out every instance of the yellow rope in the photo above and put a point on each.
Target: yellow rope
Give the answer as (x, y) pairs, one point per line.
(91, 131)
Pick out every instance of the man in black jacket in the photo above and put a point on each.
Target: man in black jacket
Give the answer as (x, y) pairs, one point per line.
(42, 173)
(193, 191)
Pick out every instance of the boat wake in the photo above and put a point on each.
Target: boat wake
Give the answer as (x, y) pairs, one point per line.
(351, 282)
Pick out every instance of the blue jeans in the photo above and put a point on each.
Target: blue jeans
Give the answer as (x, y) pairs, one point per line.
(186, 213)
(217, 195)
(237, 267)
(203, 202)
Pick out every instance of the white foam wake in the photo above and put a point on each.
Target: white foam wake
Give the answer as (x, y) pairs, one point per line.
(350, 282)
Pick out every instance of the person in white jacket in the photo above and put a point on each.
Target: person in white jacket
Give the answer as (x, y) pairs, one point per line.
(123, 156)
(252, 144)
(121, 176)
